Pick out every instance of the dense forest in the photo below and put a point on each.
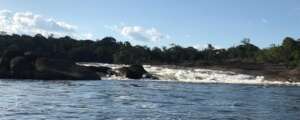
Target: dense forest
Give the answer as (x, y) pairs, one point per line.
(109, 50)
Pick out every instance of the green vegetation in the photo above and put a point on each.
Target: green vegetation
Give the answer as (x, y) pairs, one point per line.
(109, 50)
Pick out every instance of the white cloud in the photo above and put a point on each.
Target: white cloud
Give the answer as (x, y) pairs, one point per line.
(87, 36)
(202, 47)
(31, 24)
(139, 33)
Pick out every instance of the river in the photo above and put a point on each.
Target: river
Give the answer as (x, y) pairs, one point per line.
(146, 100)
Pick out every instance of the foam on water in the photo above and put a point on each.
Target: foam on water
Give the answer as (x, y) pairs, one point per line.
(195, 75)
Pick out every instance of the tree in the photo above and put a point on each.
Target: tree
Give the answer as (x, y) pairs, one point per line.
(109, 50)
(246, 51)
(290, 52)
(289, 44)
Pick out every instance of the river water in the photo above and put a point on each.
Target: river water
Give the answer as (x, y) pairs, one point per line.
(146, 100)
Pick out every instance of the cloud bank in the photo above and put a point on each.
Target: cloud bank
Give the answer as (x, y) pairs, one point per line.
(202, 47)
(140, 33)
(31, 24)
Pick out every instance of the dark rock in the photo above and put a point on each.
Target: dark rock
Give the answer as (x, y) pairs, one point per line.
(150, 76)
(22, 68)
(102, 71)
(5, 62)
(32, 56)
(54, 69)
(6, 58)
(135, 85)
(15, 64)
(135, 72)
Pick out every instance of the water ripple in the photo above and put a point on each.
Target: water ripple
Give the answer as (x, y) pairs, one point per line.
(147, 100)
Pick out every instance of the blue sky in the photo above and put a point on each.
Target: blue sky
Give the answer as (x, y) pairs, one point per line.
(161, 22)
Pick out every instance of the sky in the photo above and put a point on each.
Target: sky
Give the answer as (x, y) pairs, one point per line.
(223, 23)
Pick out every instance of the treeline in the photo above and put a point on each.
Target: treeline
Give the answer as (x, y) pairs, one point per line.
(109, 50)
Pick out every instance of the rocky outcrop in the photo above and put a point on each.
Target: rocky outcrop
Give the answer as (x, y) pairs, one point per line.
(29, 65)
(136, 72)
(21, 67)
(101, 71)
(18, 65)
(6, 57)
(62, 69)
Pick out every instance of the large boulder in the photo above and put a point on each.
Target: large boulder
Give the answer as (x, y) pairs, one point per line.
(15, 64)
(54, 69)
(6, 57)
(22, 68)
(136, 72)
